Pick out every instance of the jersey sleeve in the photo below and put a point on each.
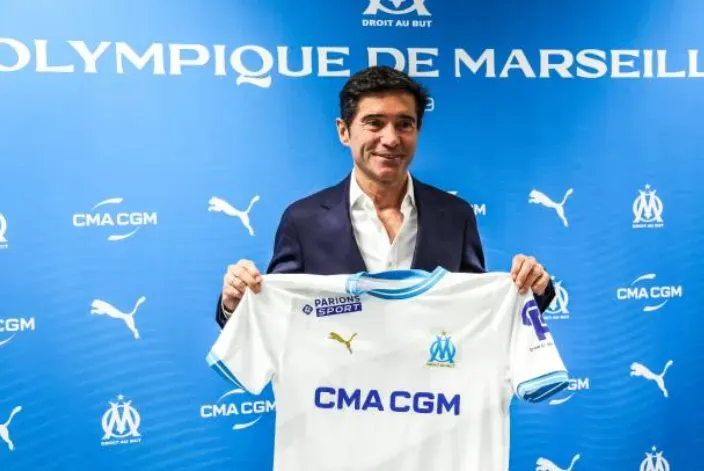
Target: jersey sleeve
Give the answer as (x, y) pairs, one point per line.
(248, 350)
(536, 367)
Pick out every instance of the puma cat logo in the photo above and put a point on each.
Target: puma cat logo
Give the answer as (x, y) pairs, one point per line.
(347, 343)
(101, 307)
(544, 464)
(220, 205)
(5, 429)
(641, 370)
(538, 197)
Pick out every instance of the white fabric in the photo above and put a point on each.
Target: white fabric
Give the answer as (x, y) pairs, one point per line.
(372, 239)
(285, 334)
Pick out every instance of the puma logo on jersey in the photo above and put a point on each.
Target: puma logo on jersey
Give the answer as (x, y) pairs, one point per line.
(5, 429)
(638, 369)
(347, 343)
(544, 464)
(220, 205)
(103, 308)
(538, 197)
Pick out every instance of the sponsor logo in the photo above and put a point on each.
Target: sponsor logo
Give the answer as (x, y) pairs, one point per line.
(338, 338)
(103, 308)
(531, 316)
(651, 297)
(122, 224)
(220, 205)
(241, 407)
(334, 305)
(395, 401)
(544, 464)
(538, 197)
(640, 370)
(5, 429)
(11, 326)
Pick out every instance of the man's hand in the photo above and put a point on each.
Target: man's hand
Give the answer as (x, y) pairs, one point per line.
(238, 278)
(528, 273)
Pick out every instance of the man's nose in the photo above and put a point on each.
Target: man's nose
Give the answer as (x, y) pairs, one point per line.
(389, 136)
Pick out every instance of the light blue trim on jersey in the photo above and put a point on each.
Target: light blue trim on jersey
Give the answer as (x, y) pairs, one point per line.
(428, 280)
(220, 368)
(540, 388)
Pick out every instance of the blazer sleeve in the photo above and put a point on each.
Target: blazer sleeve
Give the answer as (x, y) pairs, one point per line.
(287, 256)
(473, 259)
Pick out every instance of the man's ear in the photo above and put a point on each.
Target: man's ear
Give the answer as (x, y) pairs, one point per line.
(343, 132)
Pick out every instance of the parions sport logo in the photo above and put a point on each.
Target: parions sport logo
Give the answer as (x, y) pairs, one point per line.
(333, 305)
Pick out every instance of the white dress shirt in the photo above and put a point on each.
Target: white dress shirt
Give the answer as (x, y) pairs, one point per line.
(372, 239)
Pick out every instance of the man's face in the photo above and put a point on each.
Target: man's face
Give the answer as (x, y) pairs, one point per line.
(382, 136)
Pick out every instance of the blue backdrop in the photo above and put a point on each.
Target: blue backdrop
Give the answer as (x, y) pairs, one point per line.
(573, 127)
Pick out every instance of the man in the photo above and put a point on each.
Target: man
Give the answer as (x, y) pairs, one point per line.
(379, 217)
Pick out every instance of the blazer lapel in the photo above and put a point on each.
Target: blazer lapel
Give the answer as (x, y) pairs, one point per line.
(338, 227)
(432, 224)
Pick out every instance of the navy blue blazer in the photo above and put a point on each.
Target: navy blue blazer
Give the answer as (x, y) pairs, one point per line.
(315, 236)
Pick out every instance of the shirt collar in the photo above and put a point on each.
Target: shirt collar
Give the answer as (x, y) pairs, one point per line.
(358, 196)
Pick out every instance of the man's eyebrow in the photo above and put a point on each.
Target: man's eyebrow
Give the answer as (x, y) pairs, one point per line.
(379, 115)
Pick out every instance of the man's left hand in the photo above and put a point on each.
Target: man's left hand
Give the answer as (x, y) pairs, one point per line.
(528, 273)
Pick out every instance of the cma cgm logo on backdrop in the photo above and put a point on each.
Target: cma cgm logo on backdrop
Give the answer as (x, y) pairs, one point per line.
(649, 294)
(240, 408)
(116, 221)
(393, 13)
(10, 327)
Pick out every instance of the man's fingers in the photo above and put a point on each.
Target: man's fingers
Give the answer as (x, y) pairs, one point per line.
(541, 284)
(248, 279)
(251, 269)
(525, 275)
(229, 292)
(516, 265)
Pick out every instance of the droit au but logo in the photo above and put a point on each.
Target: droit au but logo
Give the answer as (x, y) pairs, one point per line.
(121, 423)
(647, 210)
(395, 8)
(119, 223)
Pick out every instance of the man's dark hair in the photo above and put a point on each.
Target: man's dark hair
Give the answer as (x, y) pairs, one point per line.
(379, 79)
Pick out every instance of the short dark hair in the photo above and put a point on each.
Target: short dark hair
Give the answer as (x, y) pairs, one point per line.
(379, 79)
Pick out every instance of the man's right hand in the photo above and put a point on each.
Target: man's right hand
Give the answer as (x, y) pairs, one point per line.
(238, 278)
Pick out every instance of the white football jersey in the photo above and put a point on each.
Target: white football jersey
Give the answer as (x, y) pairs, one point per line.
(402, 370)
